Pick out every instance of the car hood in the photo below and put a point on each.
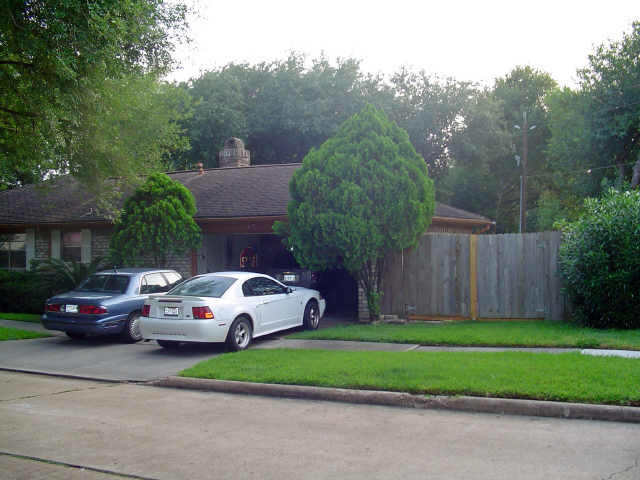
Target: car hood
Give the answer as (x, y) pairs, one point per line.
(82, 297)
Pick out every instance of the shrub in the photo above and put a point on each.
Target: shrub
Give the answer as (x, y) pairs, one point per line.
(23, 292)
(63, 276)
(599, 260)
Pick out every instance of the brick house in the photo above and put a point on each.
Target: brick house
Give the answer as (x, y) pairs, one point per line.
(236, 207)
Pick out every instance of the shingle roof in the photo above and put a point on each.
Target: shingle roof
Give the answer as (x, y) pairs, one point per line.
(256, 191)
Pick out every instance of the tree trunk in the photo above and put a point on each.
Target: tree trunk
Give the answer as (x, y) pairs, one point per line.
(622, 172)
(635, 180)
(370, 279)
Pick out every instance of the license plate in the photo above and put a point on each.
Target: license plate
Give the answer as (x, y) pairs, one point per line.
(71, 309)
(289, 278)
(171, 311)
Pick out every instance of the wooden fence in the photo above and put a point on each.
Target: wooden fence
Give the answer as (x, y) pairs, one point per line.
(461, 276)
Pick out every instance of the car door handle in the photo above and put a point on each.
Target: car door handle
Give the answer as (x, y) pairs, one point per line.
(265, 302)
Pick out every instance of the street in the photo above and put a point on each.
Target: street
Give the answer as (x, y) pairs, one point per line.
(151, 432)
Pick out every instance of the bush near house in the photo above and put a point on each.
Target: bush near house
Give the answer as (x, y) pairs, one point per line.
(599, 260)
(23, 292)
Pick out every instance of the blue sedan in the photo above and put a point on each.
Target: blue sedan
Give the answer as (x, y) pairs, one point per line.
(107, 303)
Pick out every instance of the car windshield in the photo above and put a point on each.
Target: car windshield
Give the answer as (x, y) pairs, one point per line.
(105, 284)
(214, 286)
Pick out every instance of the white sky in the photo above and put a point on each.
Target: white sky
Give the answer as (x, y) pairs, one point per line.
(467, 40)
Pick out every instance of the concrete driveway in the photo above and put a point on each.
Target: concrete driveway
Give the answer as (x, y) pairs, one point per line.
(105, 358)
(101, 358)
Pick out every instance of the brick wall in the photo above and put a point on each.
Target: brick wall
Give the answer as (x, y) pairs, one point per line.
(182, 265)
(100, 243)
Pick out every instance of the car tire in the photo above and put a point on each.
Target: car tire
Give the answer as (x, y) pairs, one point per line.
(131, 332)
(76, 335)
(168, 343)
(311, 318)
(240, 334)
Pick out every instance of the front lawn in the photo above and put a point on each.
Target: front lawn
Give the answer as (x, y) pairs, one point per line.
(22, 317)
(8, 333)
(515, 334)
(569, 377)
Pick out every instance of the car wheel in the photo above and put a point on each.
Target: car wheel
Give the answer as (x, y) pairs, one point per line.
(239, 336)
(311, 318)
(168, 343)
(76, 335)
(131, 332)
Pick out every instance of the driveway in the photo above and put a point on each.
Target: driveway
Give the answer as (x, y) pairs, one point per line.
(101, 358)
(105, 358)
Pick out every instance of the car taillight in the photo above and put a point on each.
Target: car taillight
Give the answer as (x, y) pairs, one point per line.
(202, 313)
(92, 309)
(145, 310)
(52, 307)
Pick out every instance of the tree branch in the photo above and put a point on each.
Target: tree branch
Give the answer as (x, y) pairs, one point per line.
(15, 62)
(19, 114)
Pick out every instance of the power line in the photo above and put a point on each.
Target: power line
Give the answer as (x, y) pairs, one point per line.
(582, 170)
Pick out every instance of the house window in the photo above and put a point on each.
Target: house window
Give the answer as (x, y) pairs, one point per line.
(13, 255)
(72, 246)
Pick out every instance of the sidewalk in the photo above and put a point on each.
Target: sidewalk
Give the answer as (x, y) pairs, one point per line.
(395, 347)
(281, 342)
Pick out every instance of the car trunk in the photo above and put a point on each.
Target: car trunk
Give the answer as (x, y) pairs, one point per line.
(176, 307)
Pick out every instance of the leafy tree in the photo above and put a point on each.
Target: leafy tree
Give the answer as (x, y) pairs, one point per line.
(429, 110)
(573, 172)
(595, 130)
(485, 177)
(156, 223)
(281, 108)
(599, 260)
(364, 193)
(285, 107)
(62, 59)
(611, 81)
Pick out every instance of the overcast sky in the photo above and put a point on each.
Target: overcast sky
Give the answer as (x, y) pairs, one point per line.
(467, 40)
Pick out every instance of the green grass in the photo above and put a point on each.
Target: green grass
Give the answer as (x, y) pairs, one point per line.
(22, 317)
(8, 333)
(517, 334)
(569, 377)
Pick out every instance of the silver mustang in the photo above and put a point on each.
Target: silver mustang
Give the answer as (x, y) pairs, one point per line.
(231, 307)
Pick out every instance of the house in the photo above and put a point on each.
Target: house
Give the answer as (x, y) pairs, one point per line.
(236, 207)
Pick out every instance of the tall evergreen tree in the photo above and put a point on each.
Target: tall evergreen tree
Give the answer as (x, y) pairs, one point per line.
(364, 193)
(156, 224)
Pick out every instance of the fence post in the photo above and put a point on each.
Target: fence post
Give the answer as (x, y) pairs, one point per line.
(473, 276)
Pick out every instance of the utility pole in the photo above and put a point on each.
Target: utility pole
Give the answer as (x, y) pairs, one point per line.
(523, 178)
(523, 201)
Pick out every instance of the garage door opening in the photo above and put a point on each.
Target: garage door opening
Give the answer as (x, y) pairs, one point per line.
(265, 253)
(340, 290)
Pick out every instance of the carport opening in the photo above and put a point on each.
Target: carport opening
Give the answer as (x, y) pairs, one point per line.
(265, 253)
(340, 290)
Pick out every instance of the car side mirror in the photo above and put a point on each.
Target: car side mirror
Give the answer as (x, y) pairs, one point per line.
(289, 289)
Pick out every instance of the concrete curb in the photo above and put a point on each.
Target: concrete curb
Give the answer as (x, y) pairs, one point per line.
(70, 376)
(501, 406)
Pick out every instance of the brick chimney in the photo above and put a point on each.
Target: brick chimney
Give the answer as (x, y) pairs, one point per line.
(233, 154)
